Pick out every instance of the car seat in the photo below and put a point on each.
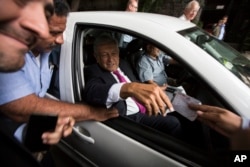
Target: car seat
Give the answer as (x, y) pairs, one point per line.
(134, 51)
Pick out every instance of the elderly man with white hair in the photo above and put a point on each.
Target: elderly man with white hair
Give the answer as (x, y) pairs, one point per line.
(190, 11)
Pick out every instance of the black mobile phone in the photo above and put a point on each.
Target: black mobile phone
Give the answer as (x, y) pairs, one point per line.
(37, 125)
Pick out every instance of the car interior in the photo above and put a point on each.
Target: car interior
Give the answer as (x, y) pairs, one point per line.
(204, 143)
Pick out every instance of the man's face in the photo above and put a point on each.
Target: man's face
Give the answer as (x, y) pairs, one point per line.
(191, 12)
(107, 56)
(57, 25)
(132, 7)
(153, 51)
(20, 29)
(224, 20)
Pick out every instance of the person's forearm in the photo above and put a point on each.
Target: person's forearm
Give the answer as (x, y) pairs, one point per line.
(138, 90)
(20, 109)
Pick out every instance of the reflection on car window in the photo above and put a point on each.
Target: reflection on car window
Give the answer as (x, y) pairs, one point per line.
(223, 53)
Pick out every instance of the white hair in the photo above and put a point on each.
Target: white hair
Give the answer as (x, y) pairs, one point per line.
(191, 4)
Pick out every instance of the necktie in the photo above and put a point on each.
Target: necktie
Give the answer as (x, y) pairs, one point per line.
(122, 79)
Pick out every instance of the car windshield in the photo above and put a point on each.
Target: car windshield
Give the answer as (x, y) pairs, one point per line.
(231, 59)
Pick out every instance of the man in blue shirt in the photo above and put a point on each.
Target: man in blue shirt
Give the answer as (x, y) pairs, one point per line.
(19, 31)
(151, 66)
(20, 99)
(34, 77)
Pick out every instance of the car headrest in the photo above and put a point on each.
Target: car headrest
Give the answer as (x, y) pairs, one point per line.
(134, 46)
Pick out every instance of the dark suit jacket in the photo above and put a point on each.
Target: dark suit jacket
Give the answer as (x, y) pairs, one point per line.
(99, 81)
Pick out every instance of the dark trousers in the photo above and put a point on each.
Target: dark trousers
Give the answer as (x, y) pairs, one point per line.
(169, 124)
(175, 125)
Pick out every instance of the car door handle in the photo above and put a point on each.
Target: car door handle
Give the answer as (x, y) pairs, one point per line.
(83, 134)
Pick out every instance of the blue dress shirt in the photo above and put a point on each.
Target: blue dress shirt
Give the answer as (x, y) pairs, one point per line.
(153, 69)
(34, 77)
(222, 32)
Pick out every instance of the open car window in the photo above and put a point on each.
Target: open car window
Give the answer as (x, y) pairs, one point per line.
(184, 76)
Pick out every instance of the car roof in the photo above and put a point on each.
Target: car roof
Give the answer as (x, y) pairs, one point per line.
(125, 19)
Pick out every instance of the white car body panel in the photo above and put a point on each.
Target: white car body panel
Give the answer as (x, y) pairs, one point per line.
(131, 152)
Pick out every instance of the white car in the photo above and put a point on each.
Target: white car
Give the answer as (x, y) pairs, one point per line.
(209, 70)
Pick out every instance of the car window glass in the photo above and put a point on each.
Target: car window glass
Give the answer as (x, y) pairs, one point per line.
(223, 53)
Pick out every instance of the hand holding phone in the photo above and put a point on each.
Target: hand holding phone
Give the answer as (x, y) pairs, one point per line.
(37, 125)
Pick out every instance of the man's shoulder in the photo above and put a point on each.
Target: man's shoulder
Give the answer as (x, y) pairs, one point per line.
(143, 57)
(92, 67)
(94, 70)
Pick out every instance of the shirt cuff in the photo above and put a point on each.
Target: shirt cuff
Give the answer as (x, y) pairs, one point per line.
(19, 132)
(245, 123)
(114, 94)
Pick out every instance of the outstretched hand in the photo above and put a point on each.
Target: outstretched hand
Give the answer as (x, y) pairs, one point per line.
(221, 120)
(150, 95)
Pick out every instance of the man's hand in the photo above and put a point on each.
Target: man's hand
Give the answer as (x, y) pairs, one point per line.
(150, 95)
(63, 128)
(222, 120)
